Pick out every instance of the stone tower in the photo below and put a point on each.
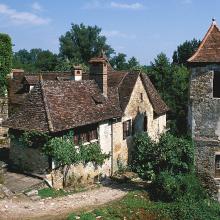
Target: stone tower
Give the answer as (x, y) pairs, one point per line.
(204, 103)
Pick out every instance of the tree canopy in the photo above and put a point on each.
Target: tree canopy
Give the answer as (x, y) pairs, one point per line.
(5, 61)
(81, 43)
(172, 82)
(185, 51)
(35, 60)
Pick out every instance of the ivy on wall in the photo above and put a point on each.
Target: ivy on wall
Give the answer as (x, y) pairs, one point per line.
(5, 61)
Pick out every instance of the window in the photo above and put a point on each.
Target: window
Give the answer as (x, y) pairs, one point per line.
(85, 134)
(145, 123)
(217, 166)
(127, 131)
(216, 83)
(141, 97)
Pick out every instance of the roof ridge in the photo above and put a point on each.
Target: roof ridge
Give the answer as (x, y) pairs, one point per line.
(50, 124)
(119, 84)
(214, 24)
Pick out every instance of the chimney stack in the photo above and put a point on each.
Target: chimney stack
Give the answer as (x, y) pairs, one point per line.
(98, 72)
(77, 73)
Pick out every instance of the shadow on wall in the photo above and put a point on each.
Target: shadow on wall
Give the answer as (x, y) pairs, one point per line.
(139, 124)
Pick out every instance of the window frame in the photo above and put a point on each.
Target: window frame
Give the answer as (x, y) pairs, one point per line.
(127, 128)
(215, 84)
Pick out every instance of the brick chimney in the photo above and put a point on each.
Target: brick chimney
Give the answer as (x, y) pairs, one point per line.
(98, 72)
(77, 73)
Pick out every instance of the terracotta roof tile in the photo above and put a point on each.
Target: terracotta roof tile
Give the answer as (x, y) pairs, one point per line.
(209, 49)
(63, 105)
(158, 104)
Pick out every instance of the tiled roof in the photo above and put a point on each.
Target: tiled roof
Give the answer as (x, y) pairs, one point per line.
(209, 49)
(158, 104)
(63, 105)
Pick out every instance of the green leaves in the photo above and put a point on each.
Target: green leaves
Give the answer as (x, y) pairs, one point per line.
(172, 82)
(82, 43)
(170, 154)
(5, 61)
(64, 152)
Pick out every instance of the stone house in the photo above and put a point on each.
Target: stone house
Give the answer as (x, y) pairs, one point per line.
(204, 106)
(104, 106)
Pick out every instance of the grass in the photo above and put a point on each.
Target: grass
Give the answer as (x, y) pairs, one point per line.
(53, 193)
(138, 206)
(50, 192)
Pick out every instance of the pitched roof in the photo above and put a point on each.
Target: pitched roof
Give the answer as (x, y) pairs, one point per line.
(158, 104)
(209, 49)
(62, 105)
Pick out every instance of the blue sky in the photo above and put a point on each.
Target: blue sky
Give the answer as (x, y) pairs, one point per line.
(140, 28)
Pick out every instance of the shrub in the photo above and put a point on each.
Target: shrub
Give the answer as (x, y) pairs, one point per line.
(170, 154)
(144, 156)
(168, 187)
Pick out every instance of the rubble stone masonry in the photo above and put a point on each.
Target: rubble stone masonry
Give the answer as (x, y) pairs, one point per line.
(204, 117)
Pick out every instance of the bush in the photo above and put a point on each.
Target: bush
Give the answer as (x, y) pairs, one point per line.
(170, 154)
(167, 187)
(144, 156)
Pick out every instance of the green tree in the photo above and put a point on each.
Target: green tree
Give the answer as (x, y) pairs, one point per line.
(46, 61)
(172, 154)
(172, 82)
(65, 153)
(82, 43)
(185, 51)
(118, 62)
(5, 61)
(35, 60)
(133, 64)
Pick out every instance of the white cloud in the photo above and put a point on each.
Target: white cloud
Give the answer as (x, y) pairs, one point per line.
(22, 17)
(133, 6)
(116, 33)
(97, 4)
(36, 6)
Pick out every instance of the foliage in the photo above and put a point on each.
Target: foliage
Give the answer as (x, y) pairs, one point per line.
(137, 205)
(50, 192)
(92, 153)
(144, 156)
(119, 62)
(169, 187)
(185, 51)
(169, 154)
(35, 60)
(62, 150)
(82, 43)
(5, 61)
(172, 83)
(33, 139)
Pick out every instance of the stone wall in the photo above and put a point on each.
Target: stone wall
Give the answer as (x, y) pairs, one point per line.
(136, 109)
(204, 118)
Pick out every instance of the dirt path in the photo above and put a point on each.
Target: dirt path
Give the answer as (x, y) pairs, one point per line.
(58, 208)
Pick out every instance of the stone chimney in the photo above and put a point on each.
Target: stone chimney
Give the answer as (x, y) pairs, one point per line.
(98, 72)
(16, 73)
(77, 73)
